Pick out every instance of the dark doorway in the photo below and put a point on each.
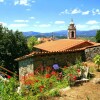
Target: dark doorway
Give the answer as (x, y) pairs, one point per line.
(72, 35)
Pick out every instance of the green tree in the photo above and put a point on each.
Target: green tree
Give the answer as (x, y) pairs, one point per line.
(31, 41)
(12, 45)
(98, 36)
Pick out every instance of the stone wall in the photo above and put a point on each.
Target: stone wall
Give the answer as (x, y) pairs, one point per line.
(60, 58)
(26, 66)
(91, 52)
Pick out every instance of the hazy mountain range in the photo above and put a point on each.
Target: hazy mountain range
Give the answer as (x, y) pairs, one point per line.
(60, 33)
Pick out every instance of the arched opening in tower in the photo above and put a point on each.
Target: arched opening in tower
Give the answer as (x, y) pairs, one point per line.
(72, 35)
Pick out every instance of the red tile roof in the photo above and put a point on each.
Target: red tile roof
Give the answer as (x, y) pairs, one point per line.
(61, 45)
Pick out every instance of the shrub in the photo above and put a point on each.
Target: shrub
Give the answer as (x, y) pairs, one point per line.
(97, 60)
(8, 90)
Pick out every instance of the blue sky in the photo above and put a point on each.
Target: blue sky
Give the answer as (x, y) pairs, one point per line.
(49, 15)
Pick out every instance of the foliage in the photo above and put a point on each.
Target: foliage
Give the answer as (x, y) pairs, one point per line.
(46, 82)
(31, 41)
(8, 90)
(91, 38)
(98, 36)
(12, 45)
(97, 60)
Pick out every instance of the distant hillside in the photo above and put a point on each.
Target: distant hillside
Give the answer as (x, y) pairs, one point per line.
(60, 33)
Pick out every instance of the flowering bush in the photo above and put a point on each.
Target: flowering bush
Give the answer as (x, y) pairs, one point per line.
(51, 78)
(44, 83)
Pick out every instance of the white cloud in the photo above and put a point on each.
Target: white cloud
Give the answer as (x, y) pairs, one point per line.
(92, 22)
(75, 11)
(64, 12)
(32, 17)
(18, 25)
(80, 26)
(86, 12)
(95, 11)
(1, 0)
(94, 27)
(22, 2)
(59, 22)
(3, 23)
(87, 26)
(28, 9)
(35, 25)
(44, 25)
(33, 1)
(21, 21)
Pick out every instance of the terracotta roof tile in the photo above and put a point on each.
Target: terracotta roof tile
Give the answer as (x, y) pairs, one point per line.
(60, 45)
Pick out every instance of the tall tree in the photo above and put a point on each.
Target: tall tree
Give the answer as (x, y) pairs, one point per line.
(12, 45)
(98, 36)
(31, 41)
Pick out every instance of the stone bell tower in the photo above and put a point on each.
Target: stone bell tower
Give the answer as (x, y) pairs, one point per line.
(71, 30)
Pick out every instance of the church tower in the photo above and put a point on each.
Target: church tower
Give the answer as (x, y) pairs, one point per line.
(71, 30)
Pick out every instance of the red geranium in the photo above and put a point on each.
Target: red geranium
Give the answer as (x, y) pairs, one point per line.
(48, 76)
(8, 76)
(53, 73)
(36, 80)
(28, 82)
(65, 67)
(78, 70)
(74, 77)
(48, 68)
(70, 74)
(41, 88)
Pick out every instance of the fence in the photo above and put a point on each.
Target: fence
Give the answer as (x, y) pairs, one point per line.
(6, 71)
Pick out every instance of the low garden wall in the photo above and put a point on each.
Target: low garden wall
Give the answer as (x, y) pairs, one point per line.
(91, 52)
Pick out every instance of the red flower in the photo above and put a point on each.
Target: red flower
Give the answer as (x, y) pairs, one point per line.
(58, 79)
(36, 80)
(8, 76)
(70, 74)
(53, 73)
(41, 88)
(48, 76)
(65, 66)
(48, 68)
(28, 82)
(78, 70)
(74, 77)
(30, 75)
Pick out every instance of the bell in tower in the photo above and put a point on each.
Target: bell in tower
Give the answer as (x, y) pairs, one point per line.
(71, 31)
